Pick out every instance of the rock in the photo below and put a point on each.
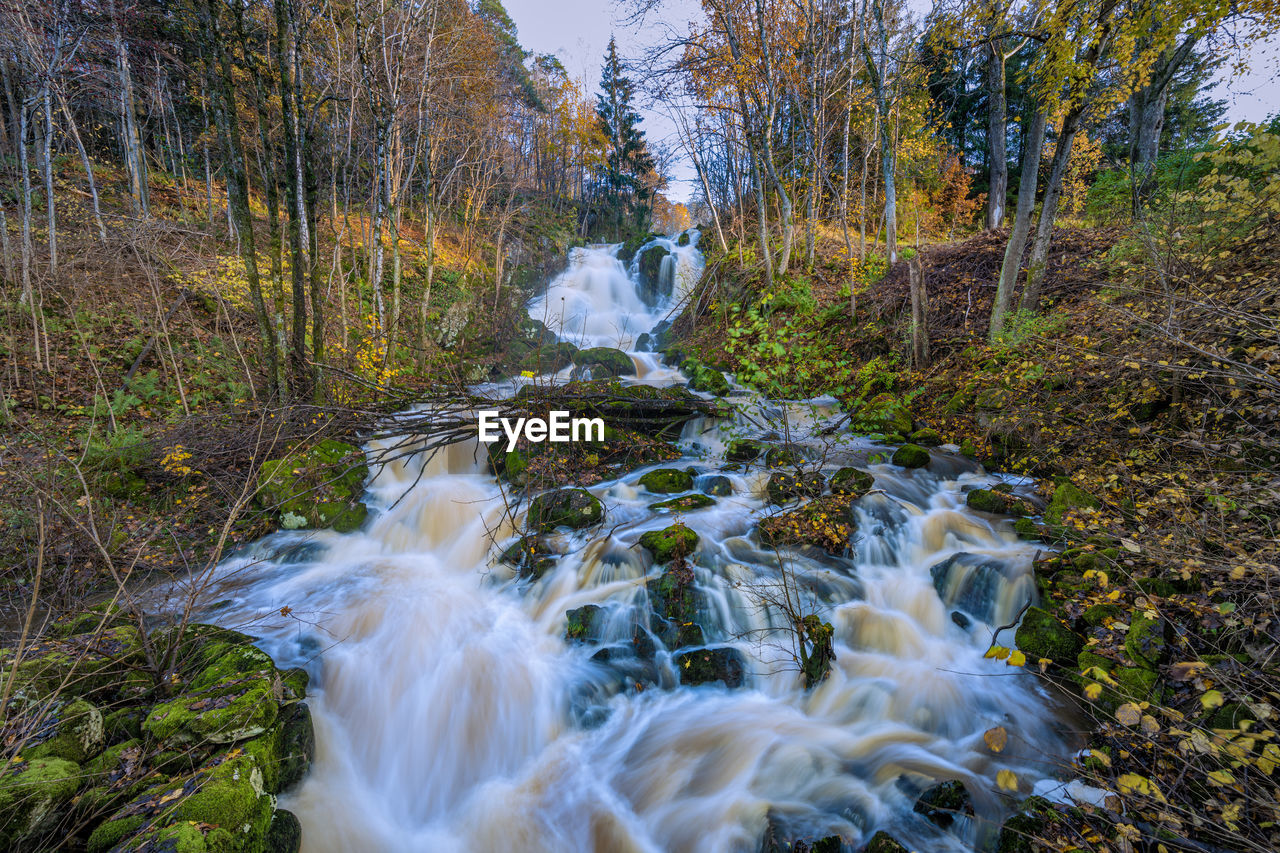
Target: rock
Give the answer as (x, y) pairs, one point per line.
(1018, 831)
(320, 487)
(228, 708)
(1043, 635)
(225, 796)
(704, 378)
(673, 600)
(995, 502)
(968, 450)
(785, 486)
(942, 803)
(1067, 497)
(33, 794)
(683, 239)
(961, 620)
(285, 834)
(652, 286)
(820, 654)
(824, 522)
(583, 623)
(78, 734)
(104, 663)
(123, 724)
(667, 481)
(1100, 614)
(573, 508)
(669, 543)
(972, 582)
(704, 666)
(1144, 642)
(851, 481)
(1029, 530)
(744, 450)
(297, 745)
(926, 437)
(687, 503)
(883, 842)
(718, 486)
(605, 362)
(548, 358)
(530, 556)
(911, 456)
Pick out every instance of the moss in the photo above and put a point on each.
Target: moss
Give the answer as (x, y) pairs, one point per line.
(706, 666)
(943, 802)
(1158, 587)
(1144, 642)
(1230, 716)
(605, 362)
(1137, 683)
(1042, 635)
(784, 486)
(320, 487)
(705, 378)
(666, 481)
(926, 437)
(583, 623)
(573, 508)
(1028, 530)
(285, 835)
(1100, 614)
(883, 414)
(33, 794)
(994, 502)
(718, 486)
(744, 450)
(851, 481)
(228, 711)
(240, 660)
(188, 837)
(883, 842)
(968, 449)
(687, 503)
(669, 543)
(911, 456)
(79, 734)
(1067, 497)
(788, 455)
(530, 556)
(123, 724)
(1018, 831)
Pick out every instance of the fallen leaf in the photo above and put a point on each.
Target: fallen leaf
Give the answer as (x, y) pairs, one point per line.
(1129, 714)
(1007, 780)
(996, 738)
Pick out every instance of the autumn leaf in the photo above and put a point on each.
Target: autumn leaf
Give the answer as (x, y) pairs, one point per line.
(1211, 699)
(1007, 780)
(1129, 714)
(995, 738)
(1132, 783)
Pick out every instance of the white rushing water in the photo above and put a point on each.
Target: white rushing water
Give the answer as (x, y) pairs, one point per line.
(452, 715)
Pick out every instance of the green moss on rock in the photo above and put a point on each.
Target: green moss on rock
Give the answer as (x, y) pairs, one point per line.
(1144, 642)
(78, 734)
(785, 486)
(605, 362)
(911, 456)
(926, 437)
(583, 623)
(851, 481)
(669, 543)
(707, 666)
(667, 481)
(1067, 497)
(686, 503)
(1043, 635)
(227, 711)
(320, 487)
(705, 378)
(573, 508)
(33, 794)
(883, 842)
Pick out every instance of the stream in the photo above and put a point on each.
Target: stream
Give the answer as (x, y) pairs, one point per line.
(451, 714)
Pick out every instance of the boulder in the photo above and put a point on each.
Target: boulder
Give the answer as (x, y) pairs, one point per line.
(926, 437)
(1043, 635)
(706, 666)
(33, 796)
(573, 508)
(851, 481)
(705, 378)
(744, 450)
(77, 733)
(911, 456)
(669, 543)
(785, 486)
(942, 803)
(995, 502)
(320, 487)
(686, 503)
(604, 362)
(718, 485)
(882, 414)
(1066, 497)
(673, 600)
(530, 556)
(667, 481)
(584, 623)
(883, 842)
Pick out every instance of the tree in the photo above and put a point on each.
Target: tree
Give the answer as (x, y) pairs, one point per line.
(628, 164)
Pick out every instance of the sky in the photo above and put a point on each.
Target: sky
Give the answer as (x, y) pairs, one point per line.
(577, 32)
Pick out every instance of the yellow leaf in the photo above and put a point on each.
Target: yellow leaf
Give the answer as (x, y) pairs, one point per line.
(1007, 780)
(1221, 777)
(996, 738)
(1016, 658)
(997, 652)
(1092, 690)
(1132, 783)
(1128, 714)
(1211, 699)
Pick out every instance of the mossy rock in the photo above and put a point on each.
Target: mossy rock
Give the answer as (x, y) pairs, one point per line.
(1018, 831)
(605, 362)
(33, 796)
(883, 414)
(650, 266)
(226, 797)
(1100, 614)
(669, 543)
(285, 834)
(572, 508)
(785, 486)
(824, 522)
(683, 239)
(1043, 635)
(685, 503)
(926, 437)
(784, 455)
(718, 486)
(968, 450)
(705, 378)
(673, 600)
(530, 556)
(1158, 587)
(228, 711)
(852, 481)
(992, 399)
(911, 456)
(883, 842)
(583, 624)
(1067, 497)
(548, 358)
(77, 733)
(744, 450)
(708, 666)
(1145, 641)
(944, 802)
(318, 488)
(995, 502)
(667, 481)
(1030, 530)
(91, 665)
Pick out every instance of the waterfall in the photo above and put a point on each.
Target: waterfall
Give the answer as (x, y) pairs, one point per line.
(451, 713)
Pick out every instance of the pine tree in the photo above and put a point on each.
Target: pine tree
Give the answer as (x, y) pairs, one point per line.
(628, 184)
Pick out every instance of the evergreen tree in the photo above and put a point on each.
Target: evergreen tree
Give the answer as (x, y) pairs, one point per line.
(628, 177)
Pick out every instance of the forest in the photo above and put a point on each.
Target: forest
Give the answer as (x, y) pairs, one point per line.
(937, 352)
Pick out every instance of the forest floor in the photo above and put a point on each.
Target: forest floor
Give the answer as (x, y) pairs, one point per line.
(1157, 404)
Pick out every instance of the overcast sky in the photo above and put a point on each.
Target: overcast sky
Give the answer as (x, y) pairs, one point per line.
(577, 31)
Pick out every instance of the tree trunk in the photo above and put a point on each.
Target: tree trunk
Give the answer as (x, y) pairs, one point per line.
(135, 159)
(1048, 210)
(919, 314)
(997, 157)
(50, 207)
(1028, 177)
(293, 187)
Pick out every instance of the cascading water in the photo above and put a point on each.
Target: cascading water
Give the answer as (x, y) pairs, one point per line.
(452, 715)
